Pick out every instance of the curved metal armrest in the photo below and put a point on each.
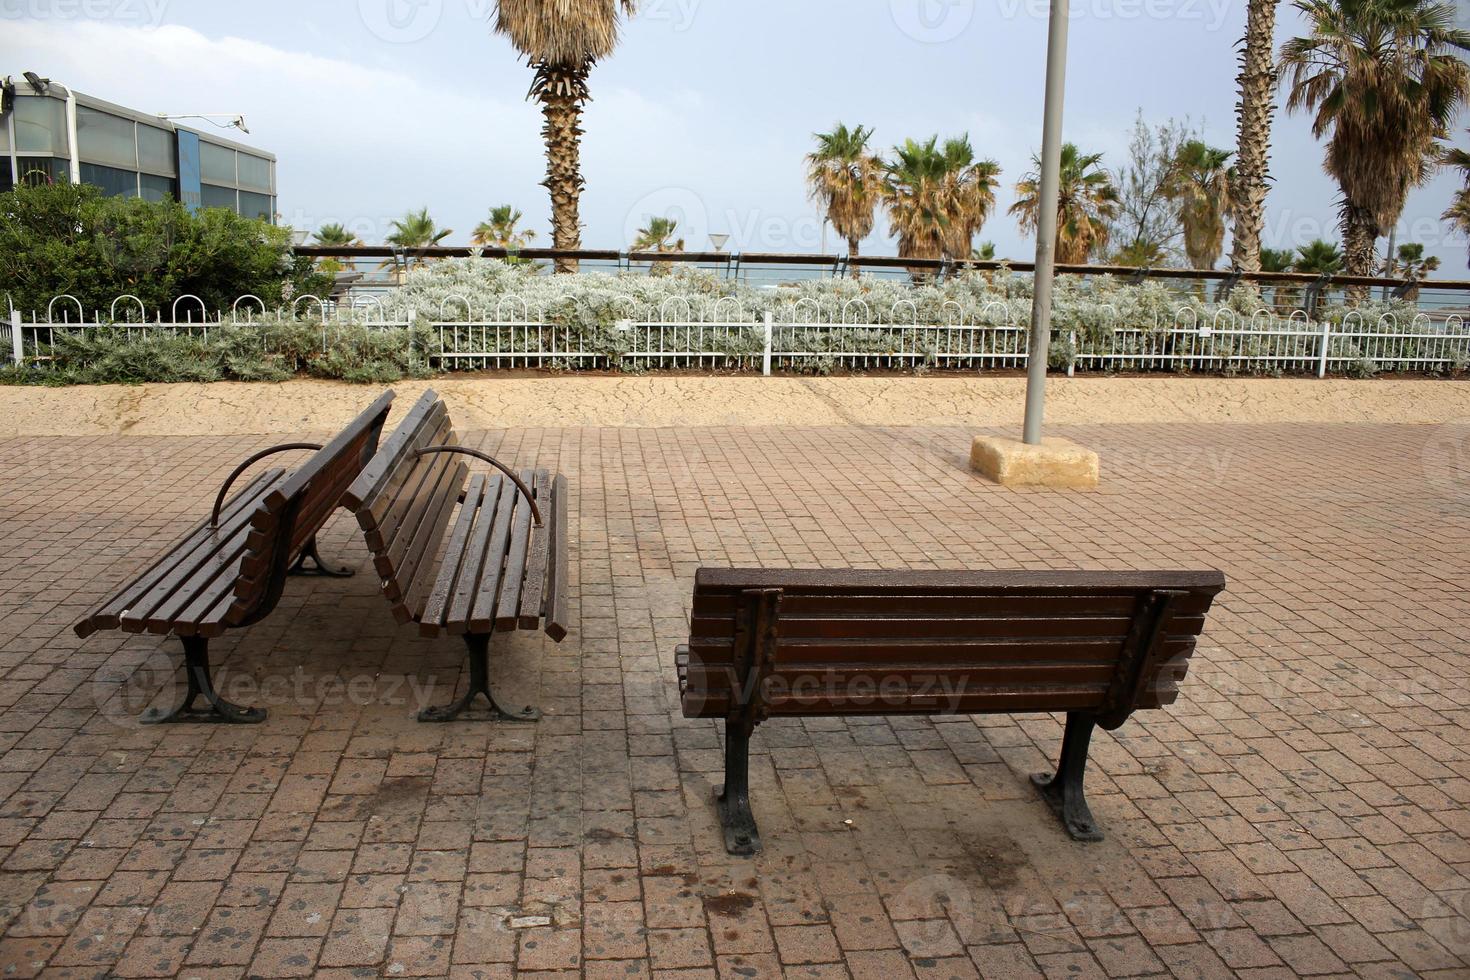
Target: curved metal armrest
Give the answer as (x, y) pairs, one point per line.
(219, 500)
(486, 457)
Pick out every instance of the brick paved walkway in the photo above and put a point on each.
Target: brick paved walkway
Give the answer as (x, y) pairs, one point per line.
(1303, 808)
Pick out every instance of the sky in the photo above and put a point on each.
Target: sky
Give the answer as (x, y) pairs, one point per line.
(704, 112)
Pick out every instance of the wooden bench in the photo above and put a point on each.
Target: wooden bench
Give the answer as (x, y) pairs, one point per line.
(496, 563)
(230, 569)
(804, 643)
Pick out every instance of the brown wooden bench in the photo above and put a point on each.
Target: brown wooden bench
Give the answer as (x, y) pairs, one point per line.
(230, 569)
(468, 555)
(804, 643)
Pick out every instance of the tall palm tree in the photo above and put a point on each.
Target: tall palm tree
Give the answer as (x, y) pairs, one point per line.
(1199, 183)
(499, 230)
(846, 179)
(1257, 81)
(1086, 201)
(1384, 82)
(658, 236)
(1458, 213)
(969, 187)
(562, 40)
(914, 194)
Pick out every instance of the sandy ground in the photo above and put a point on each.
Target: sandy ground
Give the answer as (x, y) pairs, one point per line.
(487, 403)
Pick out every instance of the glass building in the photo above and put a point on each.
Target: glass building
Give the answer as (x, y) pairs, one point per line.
(49, 133)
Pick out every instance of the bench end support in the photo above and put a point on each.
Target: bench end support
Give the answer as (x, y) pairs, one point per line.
(1063, 791)
(318, 566)
(201, 684)
(742, 836)
(479, 652)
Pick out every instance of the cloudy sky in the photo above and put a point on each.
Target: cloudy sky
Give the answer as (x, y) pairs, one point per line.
(374, 107)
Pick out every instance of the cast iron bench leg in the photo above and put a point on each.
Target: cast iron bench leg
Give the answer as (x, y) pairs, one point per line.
(742, 836)
(1063, 791)
(479, 647)
(220, 711)
(319, 567)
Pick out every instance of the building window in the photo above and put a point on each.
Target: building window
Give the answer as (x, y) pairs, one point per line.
(156, 153)
(43, 170)
(114, 181)
(106, 139)
(7, 179)
(157, 188)
(256, 205)
(218, 163)
(255, 173)
(218, 197)
(40, 125)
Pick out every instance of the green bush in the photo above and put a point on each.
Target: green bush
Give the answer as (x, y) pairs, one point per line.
(69, 239)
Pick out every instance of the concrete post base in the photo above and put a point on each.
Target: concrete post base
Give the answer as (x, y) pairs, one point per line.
(1056, 462)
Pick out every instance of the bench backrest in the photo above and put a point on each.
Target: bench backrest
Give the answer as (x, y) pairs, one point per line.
(292, 513)
(836, 642)
(404, 501)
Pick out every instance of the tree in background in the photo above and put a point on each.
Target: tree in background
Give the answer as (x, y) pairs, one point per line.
(1087, 202)
(1147, 225)
(1284, 295)
(499, 230)
(984, 252)
(1319, 258)
(938, 197)
(1458, 213)
(562, 40)
(334, 236)
(1412, 265)
(68, 238)
(1257, 81)
(1199, 184)
(1384, 82)
(658, 236)
(846, 179)
(413, 233)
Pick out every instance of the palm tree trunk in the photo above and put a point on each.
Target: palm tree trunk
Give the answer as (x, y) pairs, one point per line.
(852, 254)
(1257, 81)
(1359, 246)
(561, 92)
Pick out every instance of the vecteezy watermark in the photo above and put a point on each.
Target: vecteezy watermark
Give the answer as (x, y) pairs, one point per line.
(148, 13)
(1212, 13)
(745, 229)
(932, 21)
(678, 14)
(400, 21)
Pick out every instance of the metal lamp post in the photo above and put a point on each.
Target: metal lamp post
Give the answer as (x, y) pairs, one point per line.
(1046, 220)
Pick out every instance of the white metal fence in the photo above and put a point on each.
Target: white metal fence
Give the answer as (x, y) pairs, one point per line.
(804, 338)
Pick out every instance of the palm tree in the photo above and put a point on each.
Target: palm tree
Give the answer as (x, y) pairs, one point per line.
(658, 236)
(1087, 200)
(1319, 258)
(334, 236)
(969, 187)
(847, 181)
(984, 252)
(561, 40)
(1384, 84)
(1284, 295)
(1412, 265)
(1199, 183)
(1257, 80)
(499, 230)
(913, 192)
(414, 232)
(1458, 213)
(1141, 253)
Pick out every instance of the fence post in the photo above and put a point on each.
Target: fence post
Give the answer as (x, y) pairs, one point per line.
(17, 346)
(411, 319)
(766, 357)
(1326, 343)
(1072, 354)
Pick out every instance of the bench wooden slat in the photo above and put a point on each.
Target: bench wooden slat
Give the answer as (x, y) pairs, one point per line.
(399, 561)
(537, 550)
(153, 584)
(507, 607)
(912, 603)
(482, 612)
(384, 514)
(415, 570)
(456, 558)
(557, 615)
(477, 562)
(223, 563)
(368, 482)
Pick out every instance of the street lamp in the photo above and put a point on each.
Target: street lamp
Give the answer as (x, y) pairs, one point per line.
(236, 121)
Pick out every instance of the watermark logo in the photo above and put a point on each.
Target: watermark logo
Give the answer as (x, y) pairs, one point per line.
(1446, 458)
(677, 14)
(400, 21)
(122, 696)
(932, 21)
(148, 13)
